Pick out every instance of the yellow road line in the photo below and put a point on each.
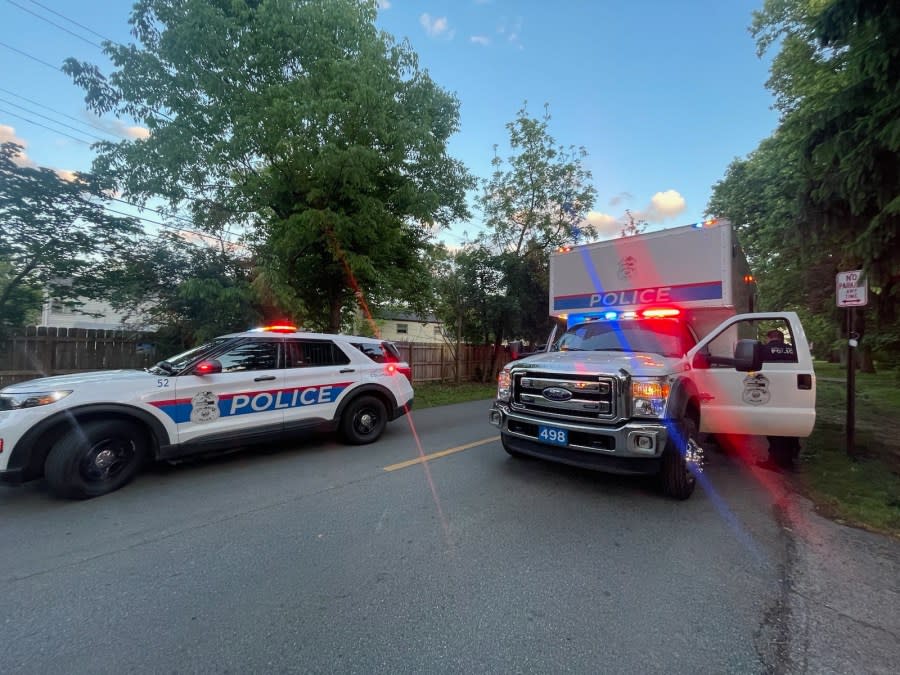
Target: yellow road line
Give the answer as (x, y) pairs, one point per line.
(442, 453)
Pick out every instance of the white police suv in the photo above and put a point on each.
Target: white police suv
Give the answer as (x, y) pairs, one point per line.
(89, 433)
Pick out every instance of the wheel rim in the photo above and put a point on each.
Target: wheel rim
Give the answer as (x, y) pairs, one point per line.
(693, 458)
(365, 421)
(107, 459)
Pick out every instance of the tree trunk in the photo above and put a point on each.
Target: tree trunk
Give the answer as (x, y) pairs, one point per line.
(334, 316)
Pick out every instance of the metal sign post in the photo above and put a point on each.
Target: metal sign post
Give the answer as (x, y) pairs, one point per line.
(851, 291)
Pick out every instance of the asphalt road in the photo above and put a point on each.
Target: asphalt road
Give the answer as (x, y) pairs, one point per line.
(314, 558)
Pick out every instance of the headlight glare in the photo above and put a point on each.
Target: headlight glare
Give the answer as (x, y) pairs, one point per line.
(504, 385)
(648, 397)
(30, 399)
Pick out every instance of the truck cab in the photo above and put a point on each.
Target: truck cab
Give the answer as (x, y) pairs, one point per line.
(630, 389)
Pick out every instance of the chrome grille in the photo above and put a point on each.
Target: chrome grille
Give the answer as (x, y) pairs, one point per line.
(570, 395)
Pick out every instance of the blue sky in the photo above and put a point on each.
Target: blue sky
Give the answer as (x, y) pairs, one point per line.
(662, 94)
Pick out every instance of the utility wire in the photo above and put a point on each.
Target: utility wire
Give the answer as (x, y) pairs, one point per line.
(72, 21)
(38, 124)
(55, 111)
(57, 68)
(53, 23)
(167, 225)
(33, 58)
(62, 124)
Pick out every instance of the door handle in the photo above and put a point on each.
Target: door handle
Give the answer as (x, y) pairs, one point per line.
(348, 370)
(705, 397)
(264, 378)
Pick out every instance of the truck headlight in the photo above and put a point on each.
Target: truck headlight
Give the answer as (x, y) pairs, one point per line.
(504, 385)
(30, 399)
(648, 397)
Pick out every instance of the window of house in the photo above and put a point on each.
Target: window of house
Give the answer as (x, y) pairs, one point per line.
(402, 328)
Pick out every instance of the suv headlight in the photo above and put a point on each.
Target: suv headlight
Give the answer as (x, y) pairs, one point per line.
(30, 399)
(504, 385)
(648, 397)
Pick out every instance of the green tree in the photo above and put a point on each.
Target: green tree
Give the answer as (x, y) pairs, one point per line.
(836, 78)
(190, 292)
(295, 117)
(56, 239)
(535, 201)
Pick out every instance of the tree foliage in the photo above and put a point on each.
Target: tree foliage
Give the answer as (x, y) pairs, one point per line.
(56, 238)
(836, 78)
(536, 200)
(188, 292)
(298, 118)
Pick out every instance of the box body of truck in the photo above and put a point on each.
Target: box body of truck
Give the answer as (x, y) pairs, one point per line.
(701, 270)
(661, 344)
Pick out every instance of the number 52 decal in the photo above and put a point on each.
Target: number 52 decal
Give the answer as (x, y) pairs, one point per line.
(162, 382)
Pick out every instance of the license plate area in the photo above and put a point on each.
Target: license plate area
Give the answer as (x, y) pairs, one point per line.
(553, 435)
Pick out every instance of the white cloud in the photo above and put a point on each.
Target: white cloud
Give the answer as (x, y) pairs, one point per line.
(436, 26)
(66, 175)
(665, 205)
(120, 128)
(384, 4)
(480, 40)
(603, 223)
(8, 135)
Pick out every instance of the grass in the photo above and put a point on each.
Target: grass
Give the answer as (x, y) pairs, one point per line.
(430, 394)
(863, 490)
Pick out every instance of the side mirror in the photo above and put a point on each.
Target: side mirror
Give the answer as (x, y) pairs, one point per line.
(701, 361)
(207, 367)
(748, 356)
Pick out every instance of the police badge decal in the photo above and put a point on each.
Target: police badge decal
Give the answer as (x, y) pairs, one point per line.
(756, 389)
(204, 407)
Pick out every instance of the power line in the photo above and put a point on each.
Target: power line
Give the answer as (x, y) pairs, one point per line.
(167, 225)
(38, 124)
(58, 112)
(62, 124)
(162, 213)
(33, 58)
(57, 68)
(72, 21)
(53, 23)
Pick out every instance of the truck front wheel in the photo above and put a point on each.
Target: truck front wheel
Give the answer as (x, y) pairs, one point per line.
(680, 461)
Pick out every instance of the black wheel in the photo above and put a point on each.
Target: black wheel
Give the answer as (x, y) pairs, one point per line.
(680, 463)
(509, 449)
(364, 420)
(95, 458)
(783, 450)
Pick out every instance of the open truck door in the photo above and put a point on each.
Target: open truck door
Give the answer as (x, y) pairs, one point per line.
(778, 399)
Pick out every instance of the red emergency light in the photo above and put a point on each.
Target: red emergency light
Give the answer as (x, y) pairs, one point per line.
(279, 328)
(660, 312)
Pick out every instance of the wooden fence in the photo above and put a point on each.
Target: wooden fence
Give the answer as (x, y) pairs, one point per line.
(41, 351)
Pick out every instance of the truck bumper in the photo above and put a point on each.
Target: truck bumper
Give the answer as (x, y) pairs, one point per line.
(628, 448)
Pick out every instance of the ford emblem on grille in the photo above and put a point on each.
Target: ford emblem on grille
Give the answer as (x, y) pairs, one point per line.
(556, 394)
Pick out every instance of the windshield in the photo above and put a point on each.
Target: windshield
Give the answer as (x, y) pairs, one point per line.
(179, 362)
(656, 336)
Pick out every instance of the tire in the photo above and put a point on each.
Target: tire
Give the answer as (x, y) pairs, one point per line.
(677, 475)
(509, 449)
(363, 420)
(783, 451)
(95, 458)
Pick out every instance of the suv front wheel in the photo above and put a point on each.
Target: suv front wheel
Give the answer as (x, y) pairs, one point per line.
(95, 458)
(364, 420)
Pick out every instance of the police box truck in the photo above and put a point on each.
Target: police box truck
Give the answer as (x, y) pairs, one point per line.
(661, 347)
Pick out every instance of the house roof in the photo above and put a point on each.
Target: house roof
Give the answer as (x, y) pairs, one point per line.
(390, 315)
